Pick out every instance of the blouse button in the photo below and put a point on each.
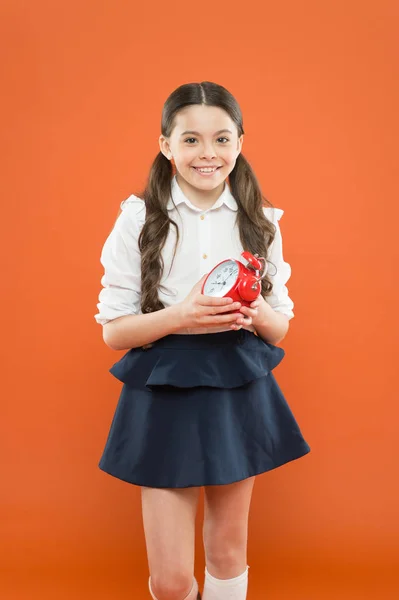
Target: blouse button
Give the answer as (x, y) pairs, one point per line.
(202, 217)
(204, 256)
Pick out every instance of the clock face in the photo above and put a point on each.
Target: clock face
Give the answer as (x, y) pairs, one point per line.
(221, 279)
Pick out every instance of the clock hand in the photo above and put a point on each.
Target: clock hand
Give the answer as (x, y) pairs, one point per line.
(228, 276)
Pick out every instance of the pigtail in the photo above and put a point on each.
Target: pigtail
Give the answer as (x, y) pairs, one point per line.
(155, 230)
(256, 231)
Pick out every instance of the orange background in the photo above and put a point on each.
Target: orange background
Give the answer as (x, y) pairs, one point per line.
(84, 84)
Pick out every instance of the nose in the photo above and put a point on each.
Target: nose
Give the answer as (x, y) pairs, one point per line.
(208, 151)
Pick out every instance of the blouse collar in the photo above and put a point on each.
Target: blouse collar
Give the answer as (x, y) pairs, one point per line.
(178, 196)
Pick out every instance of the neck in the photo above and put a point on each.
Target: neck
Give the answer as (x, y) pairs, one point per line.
(203, 199)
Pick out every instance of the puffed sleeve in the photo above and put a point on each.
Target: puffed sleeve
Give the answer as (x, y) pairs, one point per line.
(279, 270)
(120, 257)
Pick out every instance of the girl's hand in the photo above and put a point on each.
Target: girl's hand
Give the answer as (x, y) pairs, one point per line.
(200, 311)
(254, 314)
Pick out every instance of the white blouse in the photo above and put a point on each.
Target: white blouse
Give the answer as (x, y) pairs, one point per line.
(206, 238)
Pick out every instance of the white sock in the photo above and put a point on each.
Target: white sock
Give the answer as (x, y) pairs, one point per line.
(191, 596)
(225, 589)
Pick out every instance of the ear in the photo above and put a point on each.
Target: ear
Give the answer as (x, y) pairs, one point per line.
(240, 143)
(164, 147)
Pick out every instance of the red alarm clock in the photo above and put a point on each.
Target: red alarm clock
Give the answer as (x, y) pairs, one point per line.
(232, 279)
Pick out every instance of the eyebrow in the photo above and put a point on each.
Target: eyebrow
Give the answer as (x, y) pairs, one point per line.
(197, 133)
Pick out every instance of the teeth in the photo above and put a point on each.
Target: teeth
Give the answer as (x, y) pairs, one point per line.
(206, 170)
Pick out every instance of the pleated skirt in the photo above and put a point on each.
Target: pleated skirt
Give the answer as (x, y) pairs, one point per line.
(198, 410)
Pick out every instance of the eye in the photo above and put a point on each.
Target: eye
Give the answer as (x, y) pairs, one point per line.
(221, 138)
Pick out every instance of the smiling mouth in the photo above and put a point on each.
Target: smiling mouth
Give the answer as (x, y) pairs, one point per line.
(206, 169)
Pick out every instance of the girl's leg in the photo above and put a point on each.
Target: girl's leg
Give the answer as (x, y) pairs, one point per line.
(225, 535)
(169, 528)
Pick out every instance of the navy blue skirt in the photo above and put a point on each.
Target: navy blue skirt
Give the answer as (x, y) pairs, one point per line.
(200, 410)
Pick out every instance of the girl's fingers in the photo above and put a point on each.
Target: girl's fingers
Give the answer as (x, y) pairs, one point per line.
(248, 313)
(216, 306)
(251, 312)
(244, 321)
(256, 303)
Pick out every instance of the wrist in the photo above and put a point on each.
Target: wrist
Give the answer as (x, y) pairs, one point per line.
(175, 317)
(273, 327)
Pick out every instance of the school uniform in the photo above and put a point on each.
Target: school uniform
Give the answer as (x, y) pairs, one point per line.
(195, 409)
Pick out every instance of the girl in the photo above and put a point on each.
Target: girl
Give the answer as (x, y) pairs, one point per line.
(199, 406)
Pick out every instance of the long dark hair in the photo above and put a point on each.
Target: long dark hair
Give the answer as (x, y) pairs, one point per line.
(255, 230)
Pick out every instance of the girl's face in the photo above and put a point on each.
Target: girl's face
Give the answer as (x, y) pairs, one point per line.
(203, 137)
